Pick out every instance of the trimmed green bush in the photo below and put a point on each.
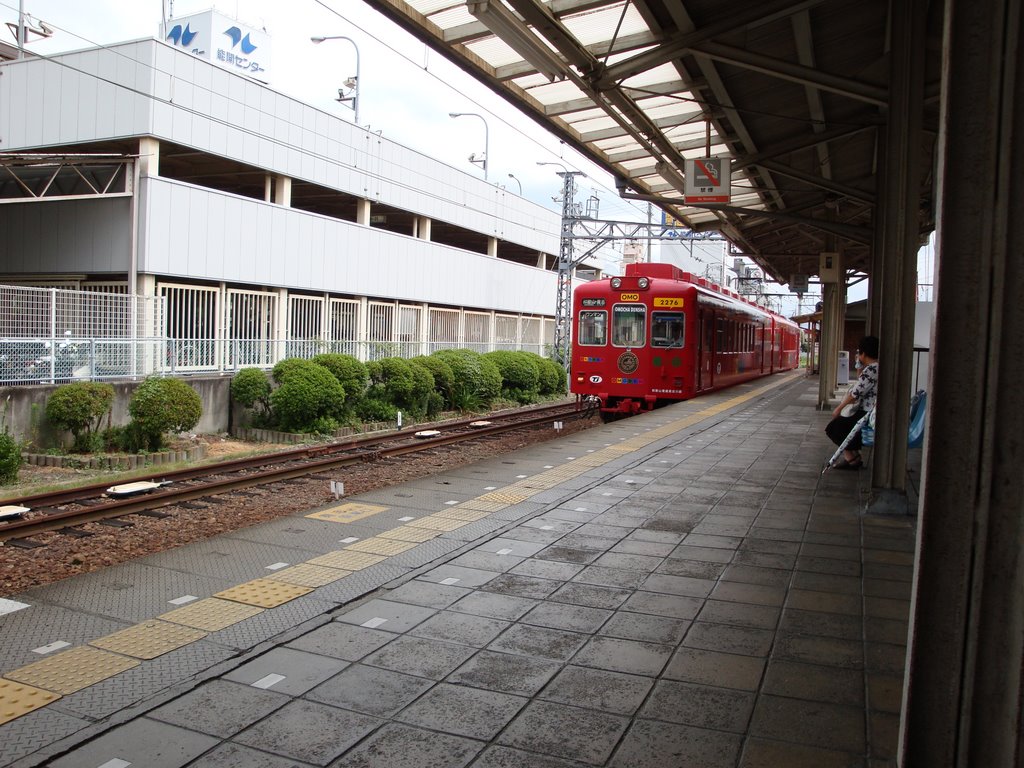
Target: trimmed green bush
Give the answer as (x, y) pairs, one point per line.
(444, 379)
(349, 371)
(369, 409)
(520, 375)
(401, 383)
(477, 382)
(308, 394)
(552, 377)
(164, 405)
(79, 407)
(251, 388)
(10, 458)
(284, 367)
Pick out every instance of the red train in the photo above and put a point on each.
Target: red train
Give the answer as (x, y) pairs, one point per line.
(658, 334)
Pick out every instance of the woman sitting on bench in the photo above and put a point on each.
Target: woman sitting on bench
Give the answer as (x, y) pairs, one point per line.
(861, 399)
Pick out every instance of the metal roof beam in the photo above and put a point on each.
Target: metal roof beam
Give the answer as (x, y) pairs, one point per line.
(796, 73)
(676, 46)
(820, 182)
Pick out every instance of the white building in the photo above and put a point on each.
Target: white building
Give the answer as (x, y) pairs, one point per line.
(258, 226)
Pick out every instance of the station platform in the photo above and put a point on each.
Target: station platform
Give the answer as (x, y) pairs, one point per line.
(682, 588)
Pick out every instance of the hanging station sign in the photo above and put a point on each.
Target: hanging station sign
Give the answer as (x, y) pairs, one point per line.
(707, 180)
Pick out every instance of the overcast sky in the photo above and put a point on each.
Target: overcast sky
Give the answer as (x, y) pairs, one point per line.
(407, 89)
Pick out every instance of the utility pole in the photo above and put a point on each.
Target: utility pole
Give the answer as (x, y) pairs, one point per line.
(563, 301)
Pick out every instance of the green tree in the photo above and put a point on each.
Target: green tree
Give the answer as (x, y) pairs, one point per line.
(309, 398)
(163, 405)
(250, 387)
(520, 375)
(79, 407)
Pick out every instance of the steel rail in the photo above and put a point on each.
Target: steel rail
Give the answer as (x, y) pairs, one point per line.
(93, 490)
(310, 466)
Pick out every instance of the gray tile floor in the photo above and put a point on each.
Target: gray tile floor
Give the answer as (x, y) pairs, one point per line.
(714, 601)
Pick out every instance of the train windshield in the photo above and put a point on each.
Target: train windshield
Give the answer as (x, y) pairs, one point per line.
(629, 325)
(667, 329)
(593, 328)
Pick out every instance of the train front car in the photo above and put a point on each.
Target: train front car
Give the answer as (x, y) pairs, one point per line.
(630, 339)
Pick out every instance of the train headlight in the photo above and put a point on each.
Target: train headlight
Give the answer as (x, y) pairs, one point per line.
(643, 282)
(616, 283)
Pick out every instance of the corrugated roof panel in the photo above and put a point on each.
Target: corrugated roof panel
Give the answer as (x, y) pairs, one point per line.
(597, 26)
(452, 16)
(427, 7)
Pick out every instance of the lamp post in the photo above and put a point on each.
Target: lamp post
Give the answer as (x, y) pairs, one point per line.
(352, 83)
(517, 181)
(487, 152)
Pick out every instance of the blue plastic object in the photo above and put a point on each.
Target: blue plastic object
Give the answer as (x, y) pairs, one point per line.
(915, 437)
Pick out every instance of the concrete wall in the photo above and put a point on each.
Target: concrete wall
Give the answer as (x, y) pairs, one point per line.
(24, 410)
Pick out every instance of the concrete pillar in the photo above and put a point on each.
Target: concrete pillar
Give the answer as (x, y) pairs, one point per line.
(149, 156)
(268, 187)
(896, 283)
(281, 324)
(963, 687)
(363, 330)
(492, 247)
(422, 224)
(363, 212)
(283, 191)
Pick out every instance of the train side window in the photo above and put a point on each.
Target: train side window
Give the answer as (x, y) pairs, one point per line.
(593, 328)
(668, 329)
(629, 325)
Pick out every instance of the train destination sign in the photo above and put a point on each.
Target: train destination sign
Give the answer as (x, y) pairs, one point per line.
(593, 302)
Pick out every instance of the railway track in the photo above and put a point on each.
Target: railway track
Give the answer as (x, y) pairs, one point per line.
(64, 510)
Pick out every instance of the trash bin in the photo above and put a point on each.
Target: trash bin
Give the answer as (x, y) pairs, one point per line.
(843, 370)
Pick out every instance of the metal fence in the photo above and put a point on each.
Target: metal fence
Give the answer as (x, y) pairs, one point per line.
(50, 335)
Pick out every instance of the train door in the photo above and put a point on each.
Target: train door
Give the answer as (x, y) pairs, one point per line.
(706, 351)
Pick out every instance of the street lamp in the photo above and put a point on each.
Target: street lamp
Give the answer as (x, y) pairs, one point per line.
(517, 181)
(487, 153)
(351, 83)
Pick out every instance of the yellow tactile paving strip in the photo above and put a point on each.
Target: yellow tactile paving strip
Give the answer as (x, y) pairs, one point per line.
(381, 546)
(149, 639)
(306, 575)
(17, 699)
(461, 513)
(211, 614)
(408, 533)
(504, 496)
(72, 670)
(35, 685)
(483, 506)
(348, 561)
(266, 593)
(347, 513)
(432, 523)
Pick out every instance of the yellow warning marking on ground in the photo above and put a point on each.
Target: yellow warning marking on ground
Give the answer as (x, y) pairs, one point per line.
(72, 670)
(438, 523)
(408, 533)
(348, 561)
(348, 512)
(306, 575)
(264, 593)
(149, 639)
(17, 699)
(379, 546)
(211, 614)
(509, 497)
(483, 506)
(459, 513)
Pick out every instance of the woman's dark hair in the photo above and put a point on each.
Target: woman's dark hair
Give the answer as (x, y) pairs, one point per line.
(869, 346)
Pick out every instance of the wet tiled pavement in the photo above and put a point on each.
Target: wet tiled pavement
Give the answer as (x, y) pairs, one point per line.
(688, 591)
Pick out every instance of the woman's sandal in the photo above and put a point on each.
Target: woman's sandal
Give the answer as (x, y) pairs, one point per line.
(855, 464)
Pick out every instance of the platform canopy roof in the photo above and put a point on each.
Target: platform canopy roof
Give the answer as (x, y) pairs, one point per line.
(790, 95)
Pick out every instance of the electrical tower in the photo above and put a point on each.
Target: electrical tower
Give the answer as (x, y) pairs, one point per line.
(578, 226)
